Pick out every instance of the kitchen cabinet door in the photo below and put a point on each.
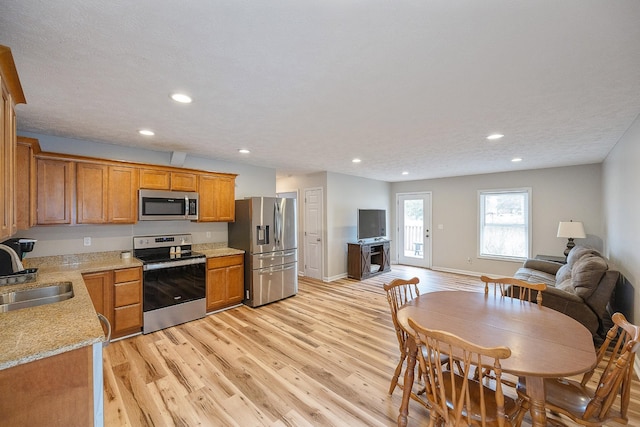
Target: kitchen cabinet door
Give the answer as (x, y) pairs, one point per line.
(123, 195)
(225, 281)
(91, 191)
(10, 95)
(26, 182)
(106, 194)
(184, 181)
(100, 286)
(5, 212)
(55, 189)
(217, 198)
(155, 179)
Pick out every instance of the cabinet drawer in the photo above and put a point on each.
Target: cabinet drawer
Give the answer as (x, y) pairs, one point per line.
(127, 293)
(128, 317)
(224, 261)
(127, 275)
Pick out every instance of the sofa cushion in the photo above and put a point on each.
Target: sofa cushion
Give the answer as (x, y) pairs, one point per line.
(535, 276)
(586, 274)
(564, 273)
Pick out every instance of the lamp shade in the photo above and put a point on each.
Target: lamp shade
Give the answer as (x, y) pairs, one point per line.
(571, 229)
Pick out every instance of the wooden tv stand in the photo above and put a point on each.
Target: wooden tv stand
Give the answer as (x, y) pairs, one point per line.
(366, 259)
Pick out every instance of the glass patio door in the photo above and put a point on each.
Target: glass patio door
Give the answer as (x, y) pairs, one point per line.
(414, 229)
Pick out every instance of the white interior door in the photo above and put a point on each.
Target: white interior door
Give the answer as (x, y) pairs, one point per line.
(414, 229)
(313, 220)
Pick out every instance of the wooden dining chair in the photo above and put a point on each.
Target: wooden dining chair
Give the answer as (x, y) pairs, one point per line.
(456, 399)
(399, 292)
(591, 403)
(515, 288)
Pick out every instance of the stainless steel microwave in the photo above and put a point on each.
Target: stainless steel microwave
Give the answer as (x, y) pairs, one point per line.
(155, 205)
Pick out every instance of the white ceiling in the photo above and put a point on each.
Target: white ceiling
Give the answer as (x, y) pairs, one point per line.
(307, 85)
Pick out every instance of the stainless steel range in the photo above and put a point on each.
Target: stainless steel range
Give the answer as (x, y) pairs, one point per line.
(174, 280)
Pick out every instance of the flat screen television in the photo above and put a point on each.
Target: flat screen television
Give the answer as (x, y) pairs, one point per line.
(372, 223)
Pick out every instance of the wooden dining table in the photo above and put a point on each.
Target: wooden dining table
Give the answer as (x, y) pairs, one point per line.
(544, 343)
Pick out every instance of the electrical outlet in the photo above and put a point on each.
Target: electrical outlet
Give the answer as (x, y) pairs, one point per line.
(469, 260)
(87, 241)
(208, 234)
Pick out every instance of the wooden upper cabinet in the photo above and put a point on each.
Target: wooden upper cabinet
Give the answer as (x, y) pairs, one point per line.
(159, 179)
(10, 94)
(217, 198)
(155, 179)
(55, 183)
(5, 182)
(184, 181)
(123, 195)
(92, 192)
(106, 194)
(26, 150)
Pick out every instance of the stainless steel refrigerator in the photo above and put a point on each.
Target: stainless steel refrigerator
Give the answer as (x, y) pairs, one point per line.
(266, 229)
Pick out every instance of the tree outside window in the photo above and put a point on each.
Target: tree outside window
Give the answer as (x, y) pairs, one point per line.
(504, 223)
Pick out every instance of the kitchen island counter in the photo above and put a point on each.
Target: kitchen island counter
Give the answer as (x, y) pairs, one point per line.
(38, 332)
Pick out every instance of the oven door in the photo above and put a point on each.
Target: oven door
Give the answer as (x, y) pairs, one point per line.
(171, 285)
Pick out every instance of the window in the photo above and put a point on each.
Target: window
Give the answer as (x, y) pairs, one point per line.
(505, 231)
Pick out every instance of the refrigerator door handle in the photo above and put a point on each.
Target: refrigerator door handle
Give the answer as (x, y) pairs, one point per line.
(276, 223)
(277, 269)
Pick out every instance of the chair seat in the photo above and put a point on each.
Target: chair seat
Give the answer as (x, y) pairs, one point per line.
(511, 408)
(567, 394)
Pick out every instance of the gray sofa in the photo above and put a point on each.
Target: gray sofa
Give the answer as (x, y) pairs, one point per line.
(581, 288)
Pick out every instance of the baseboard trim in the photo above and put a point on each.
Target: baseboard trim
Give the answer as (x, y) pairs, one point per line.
(456, 271)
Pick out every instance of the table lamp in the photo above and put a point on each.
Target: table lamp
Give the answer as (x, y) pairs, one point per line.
(571, 230)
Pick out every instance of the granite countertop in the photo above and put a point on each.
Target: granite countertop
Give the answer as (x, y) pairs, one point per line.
(37, 332)
(212, 252)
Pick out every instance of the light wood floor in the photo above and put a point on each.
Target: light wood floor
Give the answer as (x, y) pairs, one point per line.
(322, 358)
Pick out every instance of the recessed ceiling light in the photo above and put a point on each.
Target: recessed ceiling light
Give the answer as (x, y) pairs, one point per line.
(181, 97)
(405, 173)
(146, 132)
(516, 159)
(243, 151)
(356, 161)
(494, 136)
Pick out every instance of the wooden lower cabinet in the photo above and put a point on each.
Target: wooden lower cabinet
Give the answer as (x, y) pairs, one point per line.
(117, 294)
(225, 281)
(54, 391)
(100, 287)
(127, 311)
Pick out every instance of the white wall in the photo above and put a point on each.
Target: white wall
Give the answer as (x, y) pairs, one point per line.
(558, 194)
(621, 186)
(59, 240)
(343, 196)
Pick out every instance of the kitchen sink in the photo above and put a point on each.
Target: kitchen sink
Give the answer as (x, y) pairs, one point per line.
(35, 296)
